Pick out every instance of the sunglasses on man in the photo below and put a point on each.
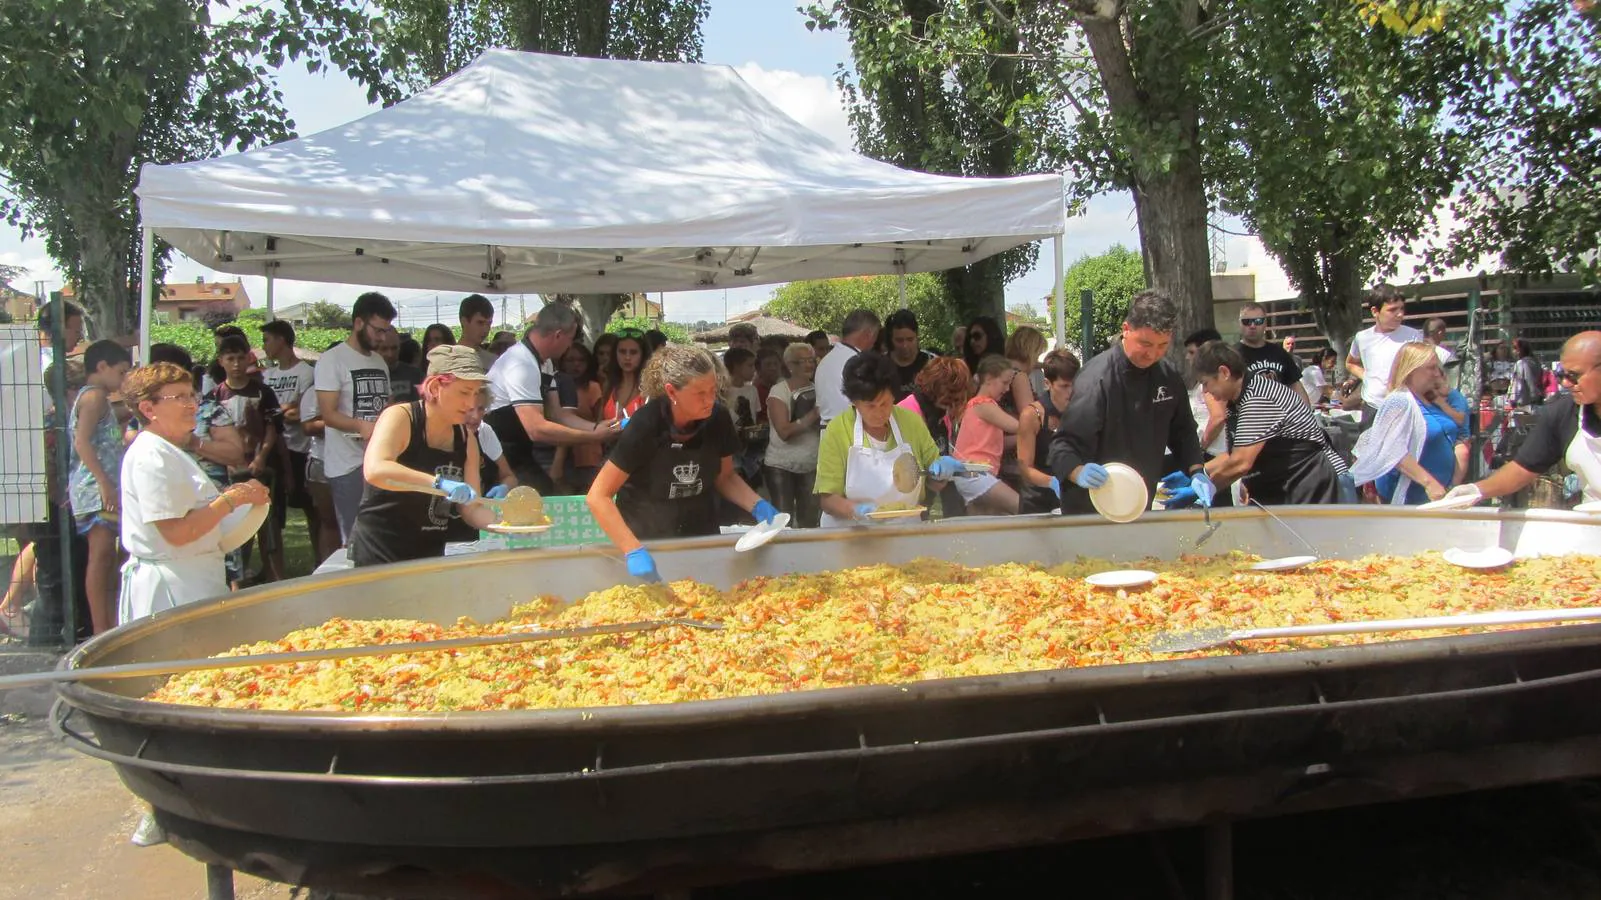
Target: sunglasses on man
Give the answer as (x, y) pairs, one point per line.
(1569, 376)
(1254, 320)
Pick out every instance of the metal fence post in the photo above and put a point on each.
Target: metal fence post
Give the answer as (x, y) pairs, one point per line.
(63, 415)
(1086, 323)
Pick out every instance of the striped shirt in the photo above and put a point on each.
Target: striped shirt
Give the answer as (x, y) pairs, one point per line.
(1267, 410)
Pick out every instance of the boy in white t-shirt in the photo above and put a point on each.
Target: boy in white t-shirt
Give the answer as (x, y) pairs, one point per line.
(1374, 349)
(352, 384)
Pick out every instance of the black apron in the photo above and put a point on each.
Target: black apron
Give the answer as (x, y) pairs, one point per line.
(679, 496)
(1291, 471)
(1038, 499)
(392, 526)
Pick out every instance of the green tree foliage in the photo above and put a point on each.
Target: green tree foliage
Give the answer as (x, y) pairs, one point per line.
(322, 314)
(824, 304)
(676, 333)
(196, 338)
(1114, 277)
(1120, 102)
(90, 91)
(1534, 199)
(920, 106)
(1342, 147)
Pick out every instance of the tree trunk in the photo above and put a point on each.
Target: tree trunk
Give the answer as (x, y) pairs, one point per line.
(978, 290)
(1172, 220)
(597, 310)
(1165, 175)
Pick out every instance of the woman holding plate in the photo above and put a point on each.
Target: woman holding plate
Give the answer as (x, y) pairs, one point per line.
(416, 449)
(856, 459)
(172, 512)
(674, 458)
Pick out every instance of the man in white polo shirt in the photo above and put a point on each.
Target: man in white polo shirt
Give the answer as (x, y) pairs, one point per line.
(1373, 350)
(859, 333)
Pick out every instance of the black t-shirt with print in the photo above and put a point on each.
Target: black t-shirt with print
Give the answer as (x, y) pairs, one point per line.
(671, 486)
(1273, 359)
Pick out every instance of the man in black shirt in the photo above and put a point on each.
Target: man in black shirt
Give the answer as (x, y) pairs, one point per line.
(1263, 356)
(1566, 429)
(899, 339)
(1129, 405)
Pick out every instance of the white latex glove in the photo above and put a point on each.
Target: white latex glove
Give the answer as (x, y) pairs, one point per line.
(1460, 497)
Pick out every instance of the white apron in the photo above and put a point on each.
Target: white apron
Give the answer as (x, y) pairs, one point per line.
(152, 585)
(870, 472)
(1584, 458)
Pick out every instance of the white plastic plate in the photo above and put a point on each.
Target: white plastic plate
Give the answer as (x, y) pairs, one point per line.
(1122, 578)
(1451, 503)
(761, 533)
(1594, 506)
(241, 525)
(1123, 498)
(1284, 563)
(501, 528)
(1488, 558)
(897, 513)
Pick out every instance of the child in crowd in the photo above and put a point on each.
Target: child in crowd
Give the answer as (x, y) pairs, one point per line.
(254, 407)
(93, 486)
(981, 437)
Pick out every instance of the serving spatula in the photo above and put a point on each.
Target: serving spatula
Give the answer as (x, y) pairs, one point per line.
(1207, 638)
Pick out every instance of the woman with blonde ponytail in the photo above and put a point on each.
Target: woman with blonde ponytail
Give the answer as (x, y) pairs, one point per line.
(677, 450)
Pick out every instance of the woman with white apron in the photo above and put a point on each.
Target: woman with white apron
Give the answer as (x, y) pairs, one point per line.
(172, 512)
(675, 457)
(856, 456)
(1567, 430)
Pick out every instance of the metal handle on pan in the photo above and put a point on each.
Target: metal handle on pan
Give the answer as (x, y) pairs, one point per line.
(84, 745)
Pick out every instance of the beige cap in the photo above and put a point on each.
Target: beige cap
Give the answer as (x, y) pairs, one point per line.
(457, 360)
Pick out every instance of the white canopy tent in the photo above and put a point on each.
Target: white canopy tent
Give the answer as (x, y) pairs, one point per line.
(526, 172)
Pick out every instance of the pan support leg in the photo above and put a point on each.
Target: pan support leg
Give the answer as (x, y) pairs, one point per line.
(219, 883)
(1219, 841)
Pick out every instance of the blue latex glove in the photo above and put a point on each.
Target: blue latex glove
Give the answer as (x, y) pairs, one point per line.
(1571, 485)
(946, 468)
(862, 509)
(1091, 475)
(456, 491)
(498, 492)
(1204, 489)
(1056, 487)
(640, 565)
(1180, 498)
(1174, 481)
(764, 512)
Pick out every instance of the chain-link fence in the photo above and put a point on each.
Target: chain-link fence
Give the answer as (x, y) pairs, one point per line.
(43, 556)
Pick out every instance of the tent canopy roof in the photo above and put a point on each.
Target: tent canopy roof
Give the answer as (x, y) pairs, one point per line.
(528, 172)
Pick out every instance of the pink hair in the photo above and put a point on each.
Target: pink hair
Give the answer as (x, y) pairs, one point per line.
(433, 384)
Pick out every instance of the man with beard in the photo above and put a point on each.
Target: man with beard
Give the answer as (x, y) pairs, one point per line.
(1263, 357)
(352, 384)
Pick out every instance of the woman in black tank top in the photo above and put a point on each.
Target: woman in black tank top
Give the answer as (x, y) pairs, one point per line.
(423, 444)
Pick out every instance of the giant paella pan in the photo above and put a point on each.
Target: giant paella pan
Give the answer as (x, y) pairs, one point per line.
(626, 797)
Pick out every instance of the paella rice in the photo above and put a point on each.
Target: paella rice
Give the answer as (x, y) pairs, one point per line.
(880, 624)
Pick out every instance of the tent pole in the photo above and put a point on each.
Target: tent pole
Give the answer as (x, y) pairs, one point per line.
(270, 316)
(147, 290)
(1060, 292)
(902, 279)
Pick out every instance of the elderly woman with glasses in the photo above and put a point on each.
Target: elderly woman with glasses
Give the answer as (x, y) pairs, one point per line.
(172, 512)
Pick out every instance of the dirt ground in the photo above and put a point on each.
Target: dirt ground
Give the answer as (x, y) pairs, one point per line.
(65, 821)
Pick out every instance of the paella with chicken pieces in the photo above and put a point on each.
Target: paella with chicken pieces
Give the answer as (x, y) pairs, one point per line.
(871, 625)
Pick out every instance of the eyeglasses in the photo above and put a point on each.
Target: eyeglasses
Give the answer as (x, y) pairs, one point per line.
(185, 399)
(1569, 376)
(1254, 320)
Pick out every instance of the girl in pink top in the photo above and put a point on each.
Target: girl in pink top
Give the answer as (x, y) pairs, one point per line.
(982, 438)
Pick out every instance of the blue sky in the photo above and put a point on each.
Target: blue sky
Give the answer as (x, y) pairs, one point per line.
(766, 40)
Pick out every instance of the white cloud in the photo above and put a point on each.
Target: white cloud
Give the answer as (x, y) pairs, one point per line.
(812, 100)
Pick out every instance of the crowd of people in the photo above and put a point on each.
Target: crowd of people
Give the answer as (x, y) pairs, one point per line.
(390, 447)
